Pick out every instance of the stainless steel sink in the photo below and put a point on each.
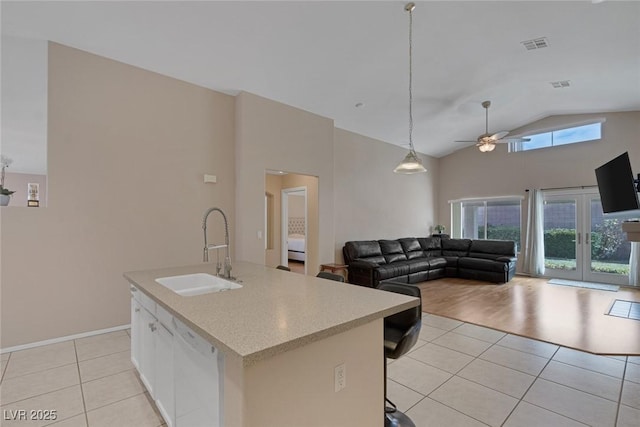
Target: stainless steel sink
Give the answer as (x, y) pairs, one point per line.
(197, 284)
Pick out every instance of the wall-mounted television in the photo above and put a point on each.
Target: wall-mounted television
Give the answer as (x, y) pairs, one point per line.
(616, 184)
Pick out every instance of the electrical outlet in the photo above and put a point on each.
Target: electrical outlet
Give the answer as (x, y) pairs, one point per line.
(340, 377)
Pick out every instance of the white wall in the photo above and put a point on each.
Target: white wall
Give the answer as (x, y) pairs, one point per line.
(371, 201)
(270, 135)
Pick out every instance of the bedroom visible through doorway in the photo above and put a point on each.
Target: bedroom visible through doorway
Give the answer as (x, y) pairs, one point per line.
(291, 221)
(294, 227)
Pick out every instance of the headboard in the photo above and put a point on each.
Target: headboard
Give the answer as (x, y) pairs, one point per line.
(296, 225)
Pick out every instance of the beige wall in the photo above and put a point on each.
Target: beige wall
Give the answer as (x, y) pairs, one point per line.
(296, 206)
(270, 135)
(371, 201)
(18, 182)
(127, 150)
(273, 185)
(470, 173)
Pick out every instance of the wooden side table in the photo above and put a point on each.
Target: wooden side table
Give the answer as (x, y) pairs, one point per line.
(339, 268)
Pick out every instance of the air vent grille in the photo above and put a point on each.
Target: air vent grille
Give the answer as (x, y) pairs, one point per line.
(538, 43)
(560, 84)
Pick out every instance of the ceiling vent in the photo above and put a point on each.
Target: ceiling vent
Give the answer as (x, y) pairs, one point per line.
(538, 43)
(560, 84)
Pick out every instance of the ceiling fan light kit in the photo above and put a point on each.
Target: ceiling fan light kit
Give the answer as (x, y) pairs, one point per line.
(411, 163)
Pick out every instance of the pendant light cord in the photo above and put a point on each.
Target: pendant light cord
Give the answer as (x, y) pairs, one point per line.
(410, 8)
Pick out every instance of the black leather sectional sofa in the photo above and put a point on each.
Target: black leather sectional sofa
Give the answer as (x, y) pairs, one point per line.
(413, 260)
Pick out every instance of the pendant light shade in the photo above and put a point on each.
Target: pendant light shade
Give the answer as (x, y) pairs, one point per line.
(411, 163)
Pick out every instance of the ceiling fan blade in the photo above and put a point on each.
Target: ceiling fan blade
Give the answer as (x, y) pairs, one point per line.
(465, 141)
(499, 135)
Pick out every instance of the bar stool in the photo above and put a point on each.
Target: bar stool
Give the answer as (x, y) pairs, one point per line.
(401, 333)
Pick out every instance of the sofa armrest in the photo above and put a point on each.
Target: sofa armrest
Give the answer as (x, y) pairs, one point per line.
(361, 272)
(507, 259)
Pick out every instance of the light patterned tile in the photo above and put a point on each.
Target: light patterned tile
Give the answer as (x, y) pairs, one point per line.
(440, 322)
(634, 359)
(631, 394)
(583, 380)
(92, 347)
(4, 357)
(40, 359)
(26, 386)
(528, 415)
(571, 403)
(107, 390)
(77, 421)
(514, 359)
(429, 413)
(604, 365)
(403, 397)
(628, 417)
(463, 344)
(66, 402)
(528, 345)
(416, 375)
(480, 332)
(478, 402)
(136, 411)
(441, 357)
(104, 366)
(429, 333)
(500, 378)
(632, 373)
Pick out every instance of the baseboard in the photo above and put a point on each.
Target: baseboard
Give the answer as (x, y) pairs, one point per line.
(62, 339)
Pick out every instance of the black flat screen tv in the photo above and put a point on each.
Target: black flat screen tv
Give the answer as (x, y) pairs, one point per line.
(616, 186)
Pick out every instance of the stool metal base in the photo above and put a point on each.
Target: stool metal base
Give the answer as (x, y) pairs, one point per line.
(397, 419)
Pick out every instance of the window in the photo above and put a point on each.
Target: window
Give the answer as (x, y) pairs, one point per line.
(570, 135)
(495, 218)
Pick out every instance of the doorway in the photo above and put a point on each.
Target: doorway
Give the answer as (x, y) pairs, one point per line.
(580, 243)
(294, 229)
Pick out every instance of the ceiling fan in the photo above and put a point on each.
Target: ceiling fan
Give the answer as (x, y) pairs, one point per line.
(487, 142)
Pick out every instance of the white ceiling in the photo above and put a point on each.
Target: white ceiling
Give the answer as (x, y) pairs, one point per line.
(325, 57)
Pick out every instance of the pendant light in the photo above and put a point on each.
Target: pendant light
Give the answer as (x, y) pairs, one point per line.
(411, 163)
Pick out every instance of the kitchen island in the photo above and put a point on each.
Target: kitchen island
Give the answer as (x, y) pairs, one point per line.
(281, 336)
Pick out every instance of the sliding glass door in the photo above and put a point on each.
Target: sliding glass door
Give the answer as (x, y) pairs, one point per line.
(580, 243)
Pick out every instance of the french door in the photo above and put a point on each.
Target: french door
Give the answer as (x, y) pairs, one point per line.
(580, 243)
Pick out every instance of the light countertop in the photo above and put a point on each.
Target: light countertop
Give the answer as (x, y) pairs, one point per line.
(274, 311)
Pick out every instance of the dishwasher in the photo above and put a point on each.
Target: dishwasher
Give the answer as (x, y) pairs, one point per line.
(198, 382)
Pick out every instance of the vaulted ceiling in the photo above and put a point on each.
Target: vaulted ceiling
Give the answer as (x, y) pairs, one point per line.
(349, 60)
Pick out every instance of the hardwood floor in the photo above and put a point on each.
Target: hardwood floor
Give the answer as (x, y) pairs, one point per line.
(296, 266)
(530, 307)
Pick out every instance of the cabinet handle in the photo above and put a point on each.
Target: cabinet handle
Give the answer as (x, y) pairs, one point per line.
(586, 238)
(579, 240)
(152, 326)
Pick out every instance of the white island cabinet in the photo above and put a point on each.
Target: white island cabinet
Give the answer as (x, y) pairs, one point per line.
(264, 354)
(179, 368)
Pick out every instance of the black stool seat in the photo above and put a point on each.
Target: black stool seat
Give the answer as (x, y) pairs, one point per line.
(401, 332)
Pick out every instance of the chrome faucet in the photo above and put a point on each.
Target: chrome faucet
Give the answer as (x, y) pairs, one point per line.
(227, 258)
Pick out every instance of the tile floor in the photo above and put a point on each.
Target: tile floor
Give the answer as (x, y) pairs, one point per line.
(458, 374)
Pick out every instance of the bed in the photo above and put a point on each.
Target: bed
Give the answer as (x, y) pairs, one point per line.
(296, 239)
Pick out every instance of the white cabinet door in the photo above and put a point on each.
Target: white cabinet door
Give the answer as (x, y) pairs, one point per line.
(165, 396)
(136, 323)
(148, 350)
